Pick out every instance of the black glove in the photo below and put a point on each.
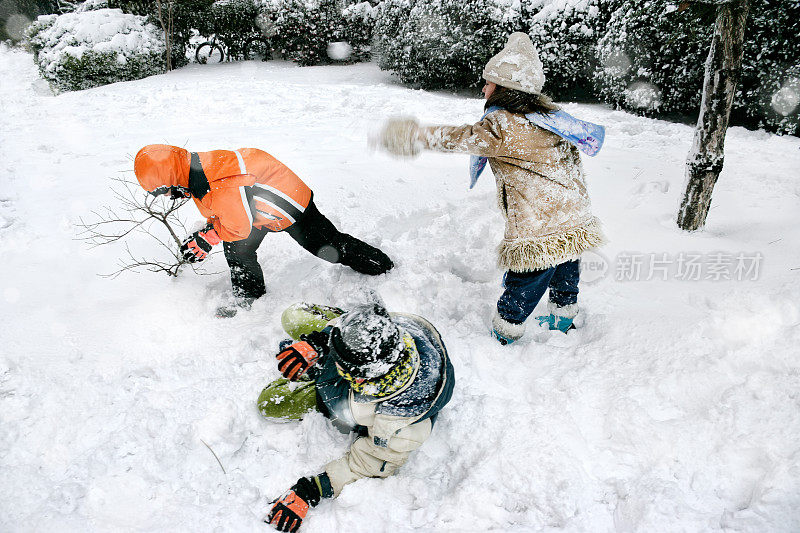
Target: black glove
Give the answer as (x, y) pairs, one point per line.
(364, 258)
(196, 246)
(290, 509)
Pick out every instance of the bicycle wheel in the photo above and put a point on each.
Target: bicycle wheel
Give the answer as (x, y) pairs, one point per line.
(209, 53)
(258, 48)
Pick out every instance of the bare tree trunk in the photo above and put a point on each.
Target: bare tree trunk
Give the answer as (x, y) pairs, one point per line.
(706, 157)
(170, 29)
(166, 25)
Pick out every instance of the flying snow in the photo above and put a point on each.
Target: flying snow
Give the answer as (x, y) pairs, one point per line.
(16, 26)
(617, 63)
(786, 99)
(339, 51)
(643, 95)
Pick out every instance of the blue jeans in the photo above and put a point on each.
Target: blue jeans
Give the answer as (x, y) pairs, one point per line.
(523, 290)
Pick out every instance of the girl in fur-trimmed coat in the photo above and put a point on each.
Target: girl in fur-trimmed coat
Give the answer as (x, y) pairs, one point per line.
(540, 188)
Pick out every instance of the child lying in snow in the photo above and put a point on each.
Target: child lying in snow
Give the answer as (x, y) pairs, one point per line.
(383, 376)
(540, 184)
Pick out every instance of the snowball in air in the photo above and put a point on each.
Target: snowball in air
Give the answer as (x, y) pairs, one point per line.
(617, 63)
(339, 51)
(643, 95)
(16, 26)
(785, 100)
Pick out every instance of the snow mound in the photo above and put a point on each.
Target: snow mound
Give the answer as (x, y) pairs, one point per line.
(56, 38)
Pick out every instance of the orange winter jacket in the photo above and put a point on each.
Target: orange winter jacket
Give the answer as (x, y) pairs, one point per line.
(235, 190)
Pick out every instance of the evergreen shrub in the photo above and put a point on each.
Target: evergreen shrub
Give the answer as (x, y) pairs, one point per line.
(565, 33)
(651, 57)
(77, 51)
(311, 32)
(768, 93)
(442, 43)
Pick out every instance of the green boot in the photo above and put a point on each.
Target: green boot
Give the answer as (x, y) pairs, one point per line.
(288, 400)
(303, 318)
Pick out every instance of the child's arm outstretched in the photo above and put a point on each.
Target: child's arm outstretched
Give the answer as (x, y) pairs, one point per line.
(404, 137)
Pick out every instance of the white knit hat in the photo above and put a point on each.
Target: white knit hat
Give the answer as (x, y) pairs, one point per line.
(517, 66)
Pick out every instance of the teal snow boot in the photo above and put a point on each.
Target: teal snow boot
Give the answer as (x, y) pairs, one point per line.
(504, 331)
(560, 318)
(501, 339)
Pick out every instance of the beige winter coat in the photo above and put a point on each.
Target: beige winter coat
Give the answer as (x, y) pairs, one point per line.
(365, 458)
(390, 439)
(540, 188)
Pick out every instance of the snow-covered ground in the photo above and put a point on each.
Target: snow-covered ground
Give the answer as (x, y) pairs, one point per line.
(674, 407)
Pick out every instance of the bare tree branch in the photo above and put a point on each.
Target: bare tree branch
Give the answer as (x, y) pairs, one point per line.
(166, 26)
(137, 212)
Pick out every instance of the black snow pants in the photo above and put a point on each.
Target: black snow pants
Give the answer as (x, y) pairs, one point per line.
(314, 232)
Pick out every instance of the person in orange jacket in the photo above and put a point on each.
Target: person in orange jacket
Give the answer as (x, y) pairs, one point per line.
(245, 194)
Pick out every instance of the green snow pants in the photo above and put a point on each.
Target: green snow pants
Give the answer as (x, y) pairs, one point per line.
(291, 400)
(288, 400)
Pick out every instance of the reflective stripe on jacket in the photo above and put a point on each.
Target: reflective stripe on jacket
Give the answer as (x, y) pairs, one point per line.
(248, 188)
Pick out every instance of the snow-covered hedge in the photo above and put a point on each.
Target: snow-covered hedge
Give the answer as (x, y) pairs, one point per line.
(188, 17)
(443, 43)
(86, 49)
(358, 26)
(318, 31)
(768, 94)
(652, 60)
(446, 43)
(566, 33)
(652, 57)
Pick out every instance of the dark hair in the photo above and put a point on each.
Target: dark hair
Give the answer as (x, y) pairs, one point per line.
(515, 101)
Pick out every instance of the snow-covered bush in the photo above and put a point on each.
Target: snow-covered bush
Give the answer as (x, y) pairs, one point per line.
(443, 43)
(566, 34)
(358, 25)
(317, 31)
(768, 93)
(234, 21)
(81, 50)
(188, 17)
(652, 57)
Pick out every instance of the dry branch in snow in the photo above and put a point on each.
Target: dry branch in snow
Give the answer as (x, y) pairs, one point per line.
(138, 211)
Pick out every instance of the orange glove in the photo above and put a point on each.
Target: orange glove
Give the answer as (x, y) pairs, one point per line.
(196, 246)
(289, 510)
(295, 359)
